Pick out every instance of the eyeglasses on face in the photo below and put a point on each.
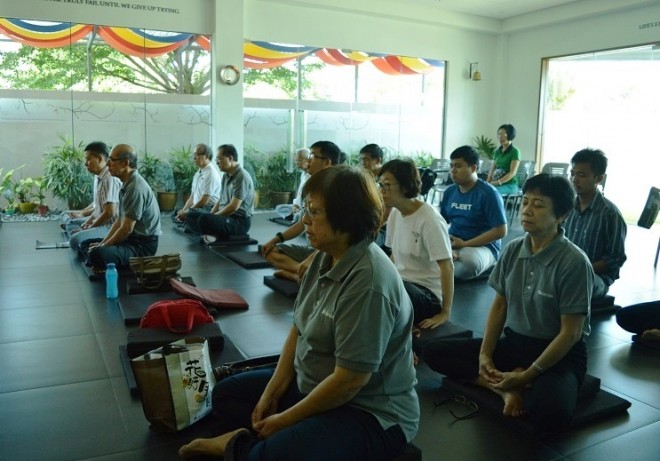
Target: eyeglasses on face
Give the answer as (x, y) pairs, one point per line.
(312, 213)
(110, 159)
(387, 186)
(458, 398)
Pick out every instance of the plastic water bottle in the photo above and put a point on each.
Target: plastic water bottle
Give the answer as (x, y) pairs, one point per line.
(111, 279)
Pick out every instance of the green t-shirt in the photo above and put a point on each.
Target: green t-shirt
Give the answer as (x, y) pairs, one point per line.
(503, 163)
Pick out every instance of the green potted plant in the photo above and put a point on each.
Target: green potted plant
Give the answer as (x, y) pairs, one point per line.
(7, 189)
(423, 158)
(276, 183)
(485, 146)
(183, 169)
(160, 178)
(66, 176)
(24, 191)
(42, 208)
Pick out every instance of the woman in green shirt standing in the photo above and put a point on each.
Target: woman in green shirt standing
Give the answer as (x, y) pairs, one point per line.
(506, 160)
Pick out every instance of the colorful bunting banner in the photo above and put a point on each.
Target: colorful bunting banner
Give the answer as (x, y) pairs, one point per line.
(257, 54)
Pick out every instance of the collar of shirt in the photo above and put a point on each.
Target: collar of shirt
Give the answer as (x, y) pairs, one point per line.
(345, 264)
(131, 177)
(546, 255)
(596, 204)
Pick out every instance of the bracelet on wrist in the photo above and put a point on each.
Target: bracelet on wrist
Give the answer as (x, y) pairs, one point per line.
(537, 367)
(280, 236)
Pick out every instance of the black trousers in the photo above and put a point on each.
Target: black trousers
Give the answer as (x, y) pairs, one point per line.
(121, 253)
(549, 403)
(639, 317)
(425, 303)
(213, 224)
(343, 433)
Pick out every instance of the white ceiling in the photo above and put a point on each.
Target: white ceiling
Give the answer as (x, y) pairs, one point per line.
(497, 9)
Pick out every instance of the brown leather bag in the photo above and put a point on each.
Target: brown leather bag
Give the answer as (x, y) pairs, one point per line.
(218, 298)
(153, 271)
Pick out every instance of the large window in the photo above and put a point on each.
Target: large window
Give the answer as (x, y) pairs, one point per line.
(608, 100)
(151, 89)
(86, 83)
(348, 97)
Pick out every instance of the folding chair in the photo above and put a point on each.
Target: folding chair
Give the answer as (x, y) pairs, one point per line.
(556, 169)
(650, 214)
(428, 177)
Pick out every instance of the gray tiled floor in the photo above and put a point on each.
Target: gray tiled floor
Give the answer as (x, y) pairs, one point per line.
(63, 395)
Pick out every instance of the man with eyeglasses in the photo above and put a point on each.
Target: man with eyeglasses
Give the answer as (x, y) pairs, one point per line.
(205, 189)
(232, 213)
(136, 230)
(292, 259)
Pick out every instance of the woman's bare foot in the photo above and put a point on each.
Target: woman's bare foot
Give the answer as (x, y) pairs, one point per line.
(209, 447)
(513, 403)
(651, 335)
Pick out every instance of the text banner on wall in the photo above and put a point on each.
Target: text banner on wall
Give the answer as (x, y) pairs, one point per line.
(191, 16)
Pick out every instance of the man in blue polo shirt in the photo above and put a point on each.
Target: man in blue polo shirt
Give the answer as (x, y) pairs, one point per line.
(475, 213)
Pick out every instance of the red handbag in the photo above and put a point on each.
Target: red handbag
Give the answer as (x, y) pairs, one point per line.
(177, 315)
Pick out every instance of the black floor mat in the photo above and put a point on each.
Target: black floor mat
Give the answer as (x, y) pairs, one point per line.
(287, 287)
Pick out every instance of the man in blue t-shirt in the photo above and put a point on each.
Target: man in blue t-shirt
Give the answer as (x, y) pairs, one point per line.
(475, 213)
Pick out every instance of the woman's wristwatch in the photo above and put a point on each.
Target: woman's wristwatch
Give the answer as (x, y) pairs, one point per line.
(280, 236)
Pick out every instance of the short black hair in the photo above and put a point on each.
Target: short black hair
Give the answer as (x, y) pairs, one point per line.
(330, 151)
(557, 188)
(467, 153)
(351, 200)
(406, 174)
(374, 151)
(228, 150)
(594, 157)
(98, 147)
(510, 130)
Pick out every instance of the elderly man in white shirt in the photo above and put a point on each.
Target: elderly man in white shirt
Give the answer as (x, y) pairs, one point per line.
(205, 186)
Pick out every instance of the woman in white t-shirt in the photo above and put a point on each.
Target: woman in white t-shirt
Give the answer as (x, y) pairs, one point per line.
(421, 249)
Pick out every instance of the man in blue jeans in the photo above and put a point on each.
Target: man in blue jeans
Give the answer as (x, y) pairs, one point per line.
(106, 198)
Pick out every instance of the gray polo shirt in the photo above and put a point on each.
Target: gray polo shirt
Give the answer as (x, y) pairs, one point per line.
(138, 202)
(357, 315)
(238, 185)
(541, 287)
